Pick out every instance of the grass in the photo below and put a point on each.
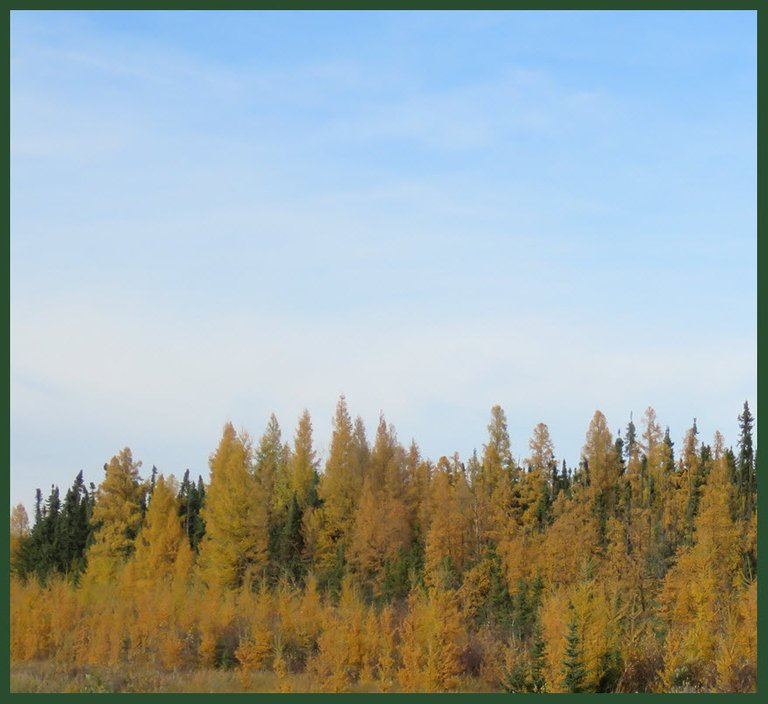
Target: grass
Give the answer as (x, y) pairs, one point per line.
(51, 677)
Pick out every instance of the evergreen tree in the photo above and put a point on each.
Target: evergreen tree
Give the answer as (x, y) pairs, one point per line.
(564, 481)
(658, 561)
(29, 553)
(747, 477)
(619, 450)
(669, 455)
(50, 538)
(574, 671)
(183, 499)
(630, 444)
(74, 528)
(45, 548)
(610, 666)
(197, 522)
(291, 543)
(538, 661)
(191, 498)
(152, 480)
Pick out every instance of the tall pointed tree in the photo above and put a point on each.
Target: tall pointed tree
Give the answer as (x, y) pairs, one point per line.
(574, 670)
(449, 541)
(116, 517)
(340, 487)
(191, 499)
(381, 527)
(162, 536)
(290, 544)
(600, 453)
(19, 533)
(74, 527)
(270, 470)
(302, 466)
(747, 476)
(235, 515)
(540, 483)
(270, 466)
(698, 590)
(542, 458)
(493, 488)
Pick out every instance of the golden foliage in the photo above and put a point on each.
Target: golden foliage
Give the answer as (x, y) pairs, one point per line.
(433, 639)
(653, 567)
(235, 515)
(117, 516)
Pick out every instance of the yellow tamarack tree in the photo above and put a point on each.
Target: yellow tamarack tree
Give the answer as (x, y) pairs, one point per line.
(329, 667)
(302, 465)
(341, 652)
(30, 635)
(381, 526)
(387, 631)
(340, 488)
(555, 617)
(493, 485)
(636, 577)
(433, 639)
(161, 542)
(449, 542)
(156, 579)
(563, 557)
(683, 500)
(19, 530)
(280, 667)
(418, 473)
(699, 589)
(116, 518)
(308, 616)
(235, 515)
(537, 484)
(737, 652)
(216, 619)
(256, 637)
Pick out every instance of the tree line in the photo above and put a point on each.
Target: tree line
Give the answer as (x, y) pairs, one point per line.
(634, 570)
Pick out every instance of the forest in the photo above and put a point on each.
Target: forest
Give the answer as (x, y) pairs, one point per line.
(382, 570)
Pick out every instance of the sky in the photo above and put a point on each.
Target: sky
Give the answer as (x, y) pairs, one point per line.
(216, 216)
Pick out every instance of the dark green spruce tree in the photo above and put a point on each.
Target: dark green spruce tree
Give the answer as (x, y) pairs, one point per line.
(74, 529)
(290, 543)
(745, 464)
(574, 671)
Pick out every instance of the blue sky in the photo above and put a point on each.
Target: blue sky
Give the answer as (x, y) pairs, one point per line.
(217, 216)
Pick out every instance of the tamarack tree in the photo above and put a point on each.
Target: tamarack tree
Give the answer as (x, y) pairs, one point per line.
(635, 570)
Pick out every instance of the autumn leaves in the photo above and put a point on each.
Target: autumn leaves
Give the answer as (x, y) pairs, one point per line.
(634, 571)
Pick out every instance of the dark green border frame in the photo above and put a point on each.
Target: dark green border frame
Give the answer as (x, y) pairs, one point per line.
(761, 6)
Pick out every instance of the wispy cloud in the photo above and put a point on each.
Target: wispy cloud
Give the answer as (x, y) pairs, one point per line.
(429, 213)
